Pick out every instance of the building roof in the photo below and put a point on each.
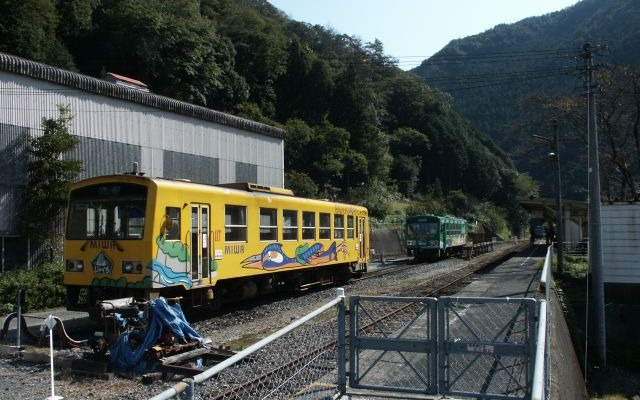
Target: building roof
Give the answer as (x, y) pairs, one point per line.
(126, 81)
(548, 206)
(32, 69)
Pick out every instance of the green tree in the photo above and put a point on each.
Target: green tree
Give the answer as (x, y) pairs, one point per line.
(482, 178)
(301, 184)
(28, 29)
(298, 145)
(330, 147)
(427, 204)
(49, 175)
(290, 86)
(260, 47)
(303, 91)
(176, 51)
(376, 196)
(405, 172)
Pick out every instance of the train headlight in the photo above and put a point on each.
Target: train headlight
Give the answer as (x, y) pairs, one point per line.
(131, 267)
(411, 242)
(74, 266)
(127, 267)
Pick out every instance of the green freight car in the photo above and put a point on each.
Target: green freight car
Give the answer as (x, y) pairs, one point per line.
(435, 236)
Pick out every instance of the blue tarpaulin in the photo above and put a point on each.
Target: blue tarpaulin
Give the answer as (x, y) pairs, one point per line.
(124, 357)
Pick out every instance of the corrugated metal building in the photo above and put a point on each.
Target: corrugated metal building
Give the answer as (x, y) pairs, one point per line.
(118, 124)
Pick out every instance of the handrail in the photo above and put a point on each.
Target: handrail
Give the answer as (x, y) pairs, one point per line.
(546, 278)
(538, 390)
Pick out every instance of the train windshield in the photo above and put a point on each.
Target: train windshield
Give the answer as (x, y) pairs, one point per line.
(107, 211)
(422, 228)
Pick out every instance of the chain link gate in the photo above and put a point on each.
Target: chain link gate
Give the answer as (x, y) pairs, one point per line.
(487, 346)
(472, 347)
(393, 344)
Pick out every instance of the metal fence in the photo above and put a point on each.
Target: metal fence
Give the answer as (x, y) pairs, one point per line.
(486, 346)
(451, 346)
(393, 334)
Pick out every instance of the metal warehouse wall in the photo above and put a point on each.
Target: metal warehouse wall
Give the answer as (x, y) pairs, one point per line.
(114, 132)
(13, 142)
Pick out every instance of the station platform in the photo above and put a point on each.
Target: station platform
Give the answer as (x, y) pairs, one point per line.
(519, 276)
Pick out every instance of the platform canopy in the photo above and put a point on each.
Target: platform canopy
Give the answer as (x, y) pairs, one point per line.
(546, 208)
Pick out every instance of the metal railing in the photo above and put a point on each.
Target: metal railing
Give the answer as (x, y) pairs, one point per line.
(540, 384)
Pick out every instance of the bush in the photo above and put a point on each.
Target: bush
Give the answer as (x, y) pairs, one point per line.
(43, 286)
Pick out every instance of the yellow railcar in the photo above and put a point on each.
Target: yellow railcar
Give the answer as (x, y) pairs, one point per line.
(134, 236)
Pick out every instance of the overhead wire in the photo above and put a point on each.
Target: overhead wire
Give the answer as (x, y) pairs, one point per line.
(517, 67)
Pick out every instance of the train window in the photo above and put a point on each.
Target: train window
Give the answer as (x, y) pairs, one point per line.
(132, 221)
(96, 222)
(235, 223)
(107, 212)
(350, 227)
(172, 223)
(308, 225)
(338, 226)
(289, 225)
(268, 224)
(325, 226)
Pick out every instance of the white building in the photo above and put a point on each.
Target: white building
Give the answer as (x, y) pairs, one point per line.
(620, 225)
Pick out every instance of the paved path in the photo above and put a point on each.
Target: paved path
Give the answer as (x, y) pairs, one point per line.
(519, 276)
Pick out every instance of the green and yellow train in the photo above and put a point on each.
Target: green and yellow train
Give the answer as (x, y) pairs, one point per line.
(435, 236)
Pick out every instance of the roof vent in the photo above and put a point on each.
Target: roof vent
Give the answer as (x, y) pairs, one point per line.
(126, 82)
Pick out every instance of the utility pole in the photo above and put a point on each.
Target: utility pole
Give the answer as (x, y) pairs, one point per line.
(554, 155)
(595, 229)
(559, 212)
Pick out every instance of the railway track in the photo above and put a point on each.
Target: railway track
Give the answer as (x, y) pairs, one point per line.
(450, 276)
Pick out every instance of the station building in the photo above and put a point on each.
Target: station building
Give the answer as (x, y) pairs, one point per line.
(118, 122)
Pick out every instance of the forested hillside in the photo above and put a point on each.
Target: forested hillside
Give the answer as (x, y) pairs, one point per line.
(357, 127)
(519, 80)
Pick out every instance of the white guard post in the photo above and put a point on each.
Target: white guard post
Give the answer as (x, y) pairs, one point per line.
(50, 322)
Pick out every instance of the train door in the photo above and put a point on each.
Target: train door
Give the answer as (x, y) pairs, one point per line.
(362, 232)
(200, 242)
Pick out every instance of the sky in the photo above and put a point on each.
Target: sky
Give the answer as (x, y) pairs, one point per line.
(414, 30)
